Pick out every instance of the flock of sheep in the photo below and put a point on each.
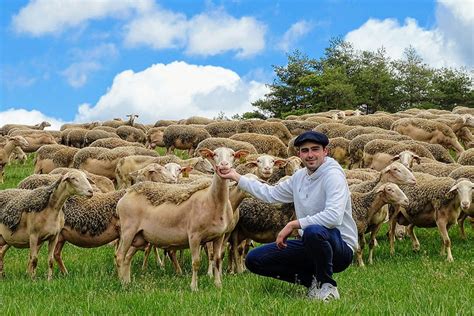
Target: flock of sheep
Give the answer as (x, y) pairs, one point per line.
(103, 182)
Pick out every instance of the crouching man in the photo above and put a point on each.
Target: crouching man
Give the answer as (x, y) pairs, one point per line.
(324, 219)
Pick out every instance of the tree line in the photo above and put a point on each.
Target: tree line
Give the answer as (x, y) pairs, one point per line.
(346, 78)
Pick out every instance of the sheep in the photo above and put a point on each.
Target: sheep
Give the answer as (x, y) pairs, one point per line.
(395, 173)
(378, 153)
(19, 155)
(156, 173)
(103, 161)
(339, 150)
(131, 134)
(223, 129)
(463, 110)
(356, 146)
(183, 137)
(35, 139)
(460, 125)
(126, 165)
(104, 128)
(369, 215)
(90, 125)
(170, 217)
(7, 127)
(266, 128)
(333, 130)
(437, 169)
(384, 122)
(319, 119)
(29, 217)
(116, 122)
(467, 157)
(262, 166)
(74, 137)
(49, 157)
(356, 131)
(7, 149)
(216, 142)
(154, 137)
(197, 120)
(95, 134)
(161, 123)
(297, 127)
(434, 201)
(264, 144)
(428, 131)
(463, 172)
(465, 185)
(361, 174)
(112, 143)
(103, 184)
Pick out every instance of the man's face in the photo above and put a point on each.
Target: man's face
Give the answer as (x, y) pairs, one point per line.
(312, 155)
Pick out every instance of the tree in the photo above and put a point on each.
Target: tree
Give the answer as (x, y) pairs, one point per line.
(451, 87)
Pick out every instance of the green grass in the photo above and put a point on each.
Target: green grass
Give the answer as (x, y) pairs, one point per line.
(405, 284)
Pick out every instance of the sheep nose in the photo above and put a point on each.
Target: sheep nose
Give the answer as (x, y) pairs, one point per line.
(90, 192)
(465, 205)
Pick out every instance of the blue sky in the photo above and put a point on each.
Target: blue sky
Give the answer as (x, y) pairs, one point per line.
(86, 60)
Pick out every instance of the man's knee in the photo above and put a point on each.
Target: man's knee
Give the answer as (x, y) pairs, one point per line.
(252, 261)
(315, 233)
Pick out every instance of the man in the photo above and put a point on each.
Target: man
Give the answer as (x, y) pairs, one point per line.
(324, 220)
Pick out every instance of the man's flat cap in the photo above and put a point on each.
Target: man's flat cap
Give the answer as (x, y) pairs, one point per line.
(312, 136)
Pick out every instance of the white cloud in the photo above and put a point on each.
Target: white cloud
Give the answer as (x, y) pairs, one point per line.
(159, 29)
(174, 91)
(448, 44)
(88, 62)
(217, 32)
(41, 17)
(294, 33)
(22, 116)
(77, 73)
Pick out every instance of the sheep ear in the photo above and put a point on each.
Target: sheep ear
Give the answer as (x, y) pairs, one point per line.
(186, 170)
(90, 180)
(380, 189)
(251, 163)
(133, 175)
(417, 159)
(396, 157)
(453, 188)
(280, 163)
(242, 153)
(206, 153)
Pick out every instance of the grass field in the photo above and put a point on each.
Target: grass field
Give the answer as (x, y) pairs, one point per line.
(405, 284)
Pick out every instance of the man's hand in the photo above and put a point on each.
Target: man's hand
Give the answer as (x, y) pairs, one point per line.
(285, 232)
(232, 175)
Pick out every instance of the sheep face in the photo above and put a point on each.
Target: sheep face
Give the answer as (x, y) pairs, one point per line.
(154, 172)
(18, 141)
(78, 183)
(398, 173)
(393, 194)
(407, 158)
(464, 189)
(222, 158)
(265, 164)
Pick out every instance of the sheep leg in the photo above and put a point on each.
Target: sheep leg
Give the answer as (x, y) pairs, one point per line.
(3, 250)
(360, 250)
(124, 245)
(414, 239)
(372, 242)
(234, 253)
(391, 232)
(441, 222)
(174, 260)
(217, 245)
(195, 247)
(53, 241)
(57, 254)
(210, 258)
(34, 249)
(146, 255)
(461, 220)
(159, 262)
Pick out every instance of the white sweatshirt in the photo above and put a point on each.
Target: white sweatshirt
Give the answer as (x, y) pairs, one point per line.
(321, 198)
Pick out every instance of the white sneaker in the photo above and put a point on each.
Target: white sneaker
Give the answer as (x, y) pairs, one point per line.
(314, 289)
(328, 292)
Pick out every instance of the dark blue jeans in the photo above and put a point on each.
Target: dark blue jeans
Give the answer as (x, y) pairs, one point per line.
(319, 253)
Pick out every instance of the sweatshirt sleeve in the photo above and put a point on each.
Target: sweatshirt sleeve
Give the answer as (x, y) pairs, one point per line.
(337, 195)
(280, 193)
